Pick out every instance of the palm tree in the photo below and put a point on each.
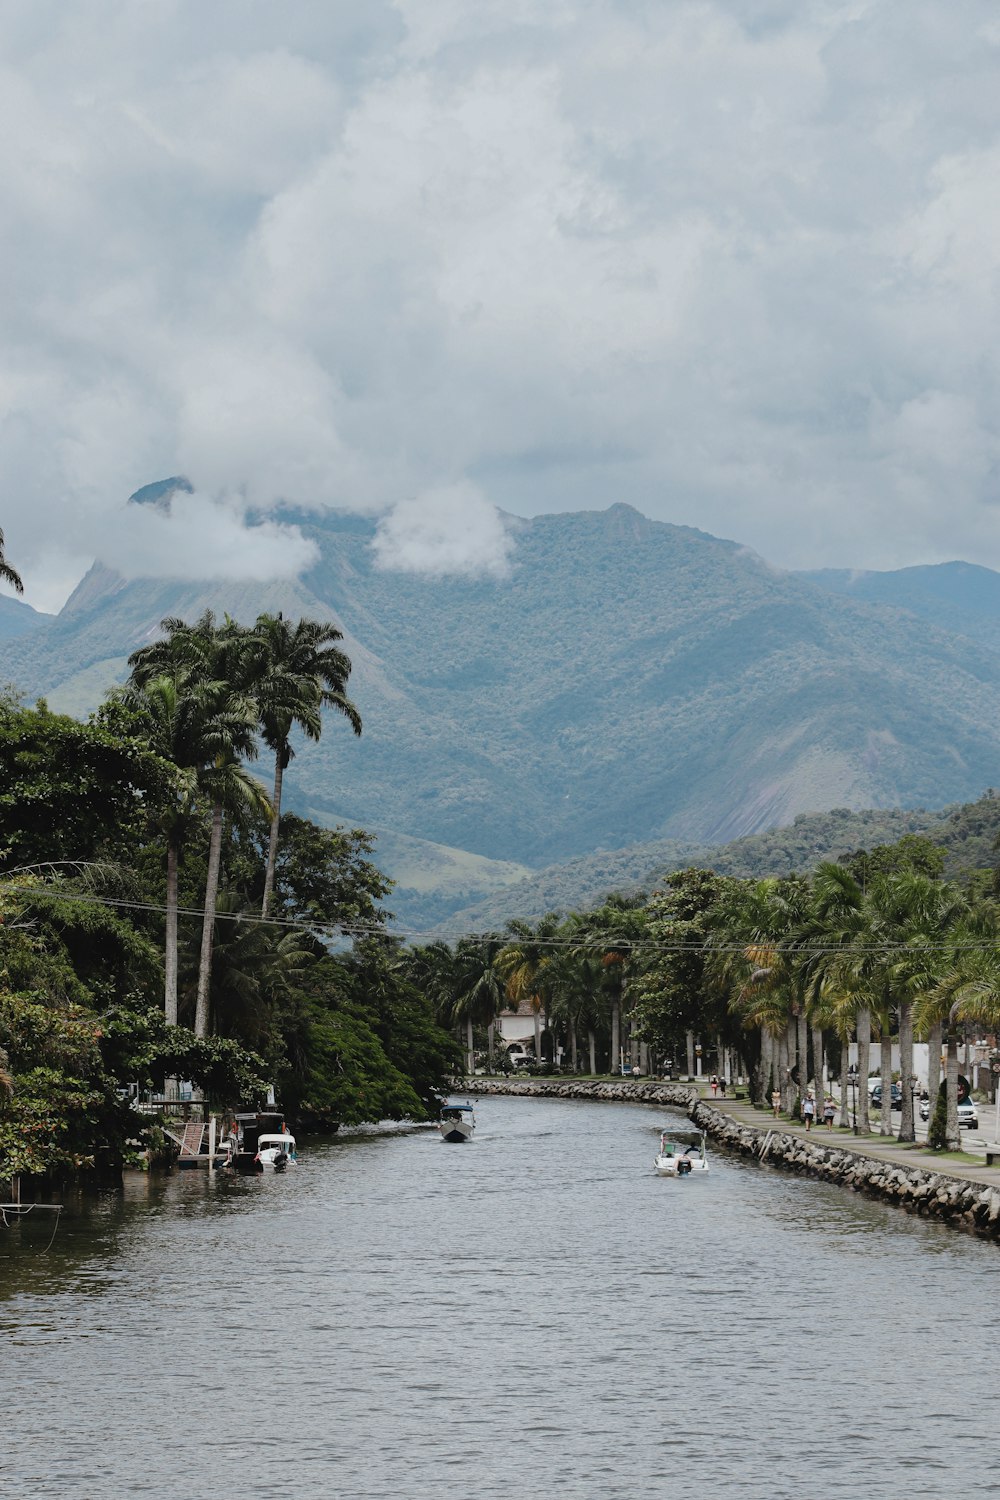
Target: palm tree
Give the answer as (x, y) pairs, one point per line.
(255, 967)
(208, 664)
(171, 723)
(576, 984)
(837, 937)
(294, 671)
(918, 911)
(478, 991)
(612, 934)
(756, 955)
(522, 963)
(9, 574)
(967, 988)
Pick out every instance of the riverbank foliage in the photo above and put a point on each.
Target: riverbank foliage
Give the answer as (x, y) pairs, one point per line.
(768, 978)
(161, 917)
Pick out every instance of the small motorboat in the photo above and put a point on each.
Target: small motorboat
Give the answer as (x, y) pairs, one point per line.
(277, 1151)
(457, 1122)
(680, 1158)
(253, 1129)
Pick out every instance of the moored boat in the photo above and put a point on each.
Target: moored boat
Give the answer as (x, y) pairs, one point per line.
(249, 1130)
(277, 1151)
(457, 1121)
(680, 1158)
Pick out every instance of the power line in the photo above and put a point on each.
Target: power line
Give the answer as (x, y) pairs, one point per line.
(366, 927)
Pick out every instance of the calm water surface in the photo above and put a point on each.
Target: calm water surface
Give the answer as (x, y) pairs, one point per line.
(532, 1314)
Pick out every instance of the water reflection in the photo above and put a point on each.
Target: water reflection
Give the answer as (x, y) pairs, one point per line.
(533, 1311)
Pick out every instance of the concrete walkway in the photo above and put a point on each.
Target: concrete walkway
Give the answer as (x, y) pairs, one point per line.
(881, 1148)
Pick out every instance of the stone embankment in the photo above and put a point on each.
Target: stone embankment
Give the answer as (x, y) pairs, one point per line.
(966, 1205)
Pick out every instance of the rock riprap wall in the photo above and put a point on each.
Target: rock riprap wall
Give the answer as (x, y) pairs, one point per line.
(966, 1205)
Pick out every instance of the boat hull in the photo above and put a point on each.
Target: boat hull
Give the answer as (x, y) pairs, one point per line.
(679, 1166)
(456, 1131)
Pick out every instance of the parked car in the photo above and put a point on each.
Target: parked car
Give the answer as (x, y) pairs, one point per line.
(897, 1096)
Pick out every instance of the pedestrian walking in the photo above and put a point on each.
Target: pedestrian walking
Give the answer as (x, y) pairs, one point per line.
(829, 1110)
(808, 1110)
(715, 1085)
(722, 1088)
(776, 1102)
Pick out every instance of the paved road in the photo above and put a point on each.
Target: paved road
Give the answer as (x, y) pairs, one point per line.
(973, 1141)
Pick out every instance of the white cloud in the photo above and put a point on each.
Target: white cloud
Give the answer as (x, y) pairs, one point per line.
(454, 529)
(732, 261)
(200, 536)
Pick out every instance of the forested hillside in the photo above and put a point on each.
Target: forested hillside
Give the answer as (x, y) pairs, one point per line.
(968, 833)
(628, 682)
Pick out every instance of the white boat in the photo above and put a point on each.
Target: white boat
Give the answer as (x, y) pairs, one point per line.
(457, 1122)
(277, 1151)
(679, 1159)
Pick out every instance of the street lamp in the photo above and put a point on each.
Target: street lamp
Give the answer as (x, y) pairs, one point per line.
(852, 1078)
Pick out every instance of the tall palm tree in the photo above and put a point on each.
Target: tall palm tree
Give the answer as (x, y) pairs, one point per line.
(918, 911)
(478, 991)
(176, 731)
(9, 574)
(755, 946)
(522, 963)
(209, 664)
(612, 934)
(255, 968)
(967, 988)
(837, 936)
(575, 981)
(294, 671)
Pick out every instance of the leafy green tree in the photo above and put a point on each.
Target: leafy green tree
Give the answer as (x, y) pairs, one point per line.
(70, 792)
(369, 1047)
(323, 876)
(680, 987)
(294, 671)
(257, 969)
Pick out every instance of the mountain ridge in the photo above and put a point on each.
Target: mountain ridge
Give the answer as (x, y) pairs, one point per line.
(628, 681)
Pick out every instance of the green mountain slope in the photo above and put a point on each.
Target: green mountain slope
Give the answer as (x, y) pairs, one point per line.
(584, 882)
(968, 833)
(959, 597)
(630, 681)
(17, 618)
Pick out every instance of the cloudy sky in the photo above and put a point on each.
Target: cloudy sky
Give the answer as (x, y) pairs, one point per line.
(733, 261)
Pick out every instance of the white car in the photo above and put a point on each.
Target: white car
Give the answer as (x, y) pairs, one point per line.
(967, 1115)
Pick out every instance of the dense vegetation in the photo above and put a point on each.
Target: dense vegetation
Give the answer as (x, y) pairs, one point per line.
(769, 976)
(162, 919)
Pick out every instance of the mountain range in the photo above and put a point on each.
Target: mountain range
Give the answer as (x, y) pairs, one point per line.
(628, 682)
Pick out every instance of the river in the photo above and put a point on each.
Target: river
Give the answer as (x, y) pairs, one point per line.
(530, 1314)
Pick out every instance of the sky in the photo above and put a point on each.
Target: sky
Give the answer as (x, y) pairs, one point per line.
(733, 262)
